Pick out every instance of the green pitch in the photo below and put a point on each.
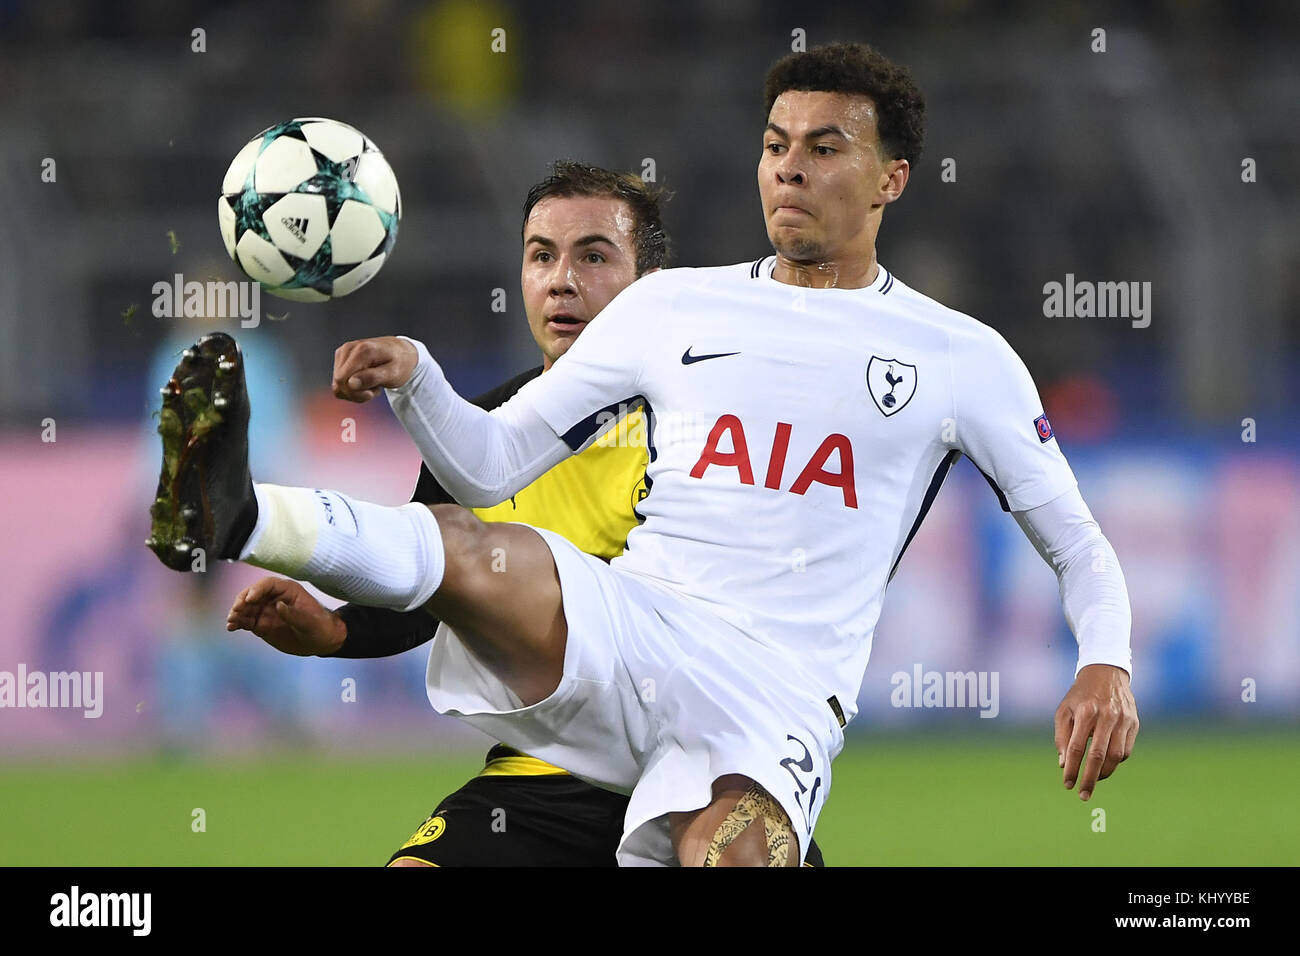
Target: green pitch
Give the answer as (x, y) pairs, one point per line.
(1184, 799)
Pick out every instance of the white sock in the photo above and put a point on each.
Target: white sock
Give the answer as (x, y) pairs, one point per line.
(354, 550)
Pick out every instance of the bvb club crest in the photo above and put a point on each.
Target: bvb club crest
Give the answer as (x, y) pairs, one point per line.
(891, 383)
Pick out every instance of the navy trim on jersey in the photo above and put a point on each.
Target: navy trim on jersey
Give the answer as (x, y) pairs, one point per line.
(649, 414)
(756, 267)
(581, 433)
(648, 411)
(1002, 499)
(889, 282)
(931, 493)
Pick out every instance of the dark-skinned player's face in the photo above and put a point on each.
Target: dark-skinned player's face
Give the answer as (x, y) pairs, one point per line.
(579, 252)
(823, 178)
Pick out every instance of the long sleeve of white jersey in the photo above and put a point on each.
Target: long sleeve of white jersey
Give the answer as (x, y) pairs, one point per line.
(481, 458)
(1094, 595)
(1002, 429)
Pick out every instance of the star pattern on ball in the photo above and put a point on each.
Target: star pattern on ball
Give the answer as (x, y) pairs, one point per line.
(249, 207)
(318, 272)
(291, 128)
(335, 182)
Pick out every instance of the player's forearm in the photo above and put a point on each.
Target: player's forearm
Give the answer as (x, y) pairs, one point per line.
(480, 457)
(380, 632)
(1094, 595)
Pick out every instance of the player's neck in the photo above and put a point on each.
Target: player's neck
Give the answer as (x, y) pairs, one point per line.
(855, 272)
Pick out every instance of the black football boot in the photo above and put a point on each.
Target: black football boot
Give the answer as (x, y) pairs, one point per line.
(205, 492)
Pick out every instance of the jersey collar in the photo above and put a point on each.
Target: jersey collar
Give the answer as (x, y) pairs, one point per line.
(884, 281)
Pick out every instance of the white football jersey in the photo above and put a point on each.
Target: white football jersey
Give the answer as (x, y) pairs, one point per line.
(797, 438)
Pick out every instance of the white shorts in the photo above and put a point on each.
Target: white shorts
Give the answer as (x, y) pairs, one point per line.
(659, 698)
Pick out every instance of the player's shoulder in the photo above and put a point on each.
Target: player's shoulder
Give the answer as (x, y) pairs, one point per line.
(676, 290)
(696, 277)
(966, 334)
(738, 273)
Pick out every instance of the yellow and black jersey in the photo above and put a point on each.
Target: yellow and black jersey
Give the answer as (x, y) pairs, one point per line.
(590, 498)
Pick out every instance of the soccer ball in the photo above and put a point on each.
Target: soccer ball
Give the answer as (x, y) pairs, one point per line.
(309, 209)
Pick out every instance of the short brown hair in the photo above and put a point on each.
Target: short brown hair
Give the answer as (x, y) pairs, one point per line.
(569, 178)
(856, 68)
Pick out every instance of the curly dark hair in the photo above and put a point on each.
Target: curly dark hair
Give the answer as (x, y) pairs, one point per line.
(857, 68)
(570, 178)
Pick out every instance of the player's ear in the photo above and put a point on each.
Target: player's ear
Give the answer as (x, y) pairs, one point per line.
(898, 171)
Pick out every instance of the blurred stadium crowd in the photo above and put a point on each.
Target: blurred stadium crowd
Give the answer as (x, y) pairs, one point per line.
(1045, 157)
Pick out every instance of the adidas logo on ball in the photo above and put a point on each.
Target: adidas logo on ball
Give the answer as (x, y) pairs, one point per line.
(309, 209)
(296, 226)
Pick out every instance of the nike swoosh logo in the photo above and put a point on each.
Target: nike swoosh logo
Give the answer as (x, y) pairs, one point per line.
(688, 358)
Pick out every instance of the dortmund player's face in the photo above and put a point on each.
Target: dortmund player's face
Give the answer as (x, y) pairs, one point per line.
(579, 252)
(823, 178)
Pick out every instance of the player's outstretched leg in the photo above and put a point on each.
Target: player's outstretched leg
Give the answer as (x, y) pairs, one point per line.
(205, 492)
(743, 826)
(496, 585)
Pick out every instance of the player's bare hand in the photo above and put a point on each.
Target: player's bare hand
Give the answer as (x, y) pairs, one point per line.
(283, 614)
(1100, 705)
(365, 367)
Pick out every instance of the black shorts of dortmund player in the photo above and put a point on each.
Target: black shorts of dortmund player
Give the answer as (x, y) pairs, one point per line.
(521, 811)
